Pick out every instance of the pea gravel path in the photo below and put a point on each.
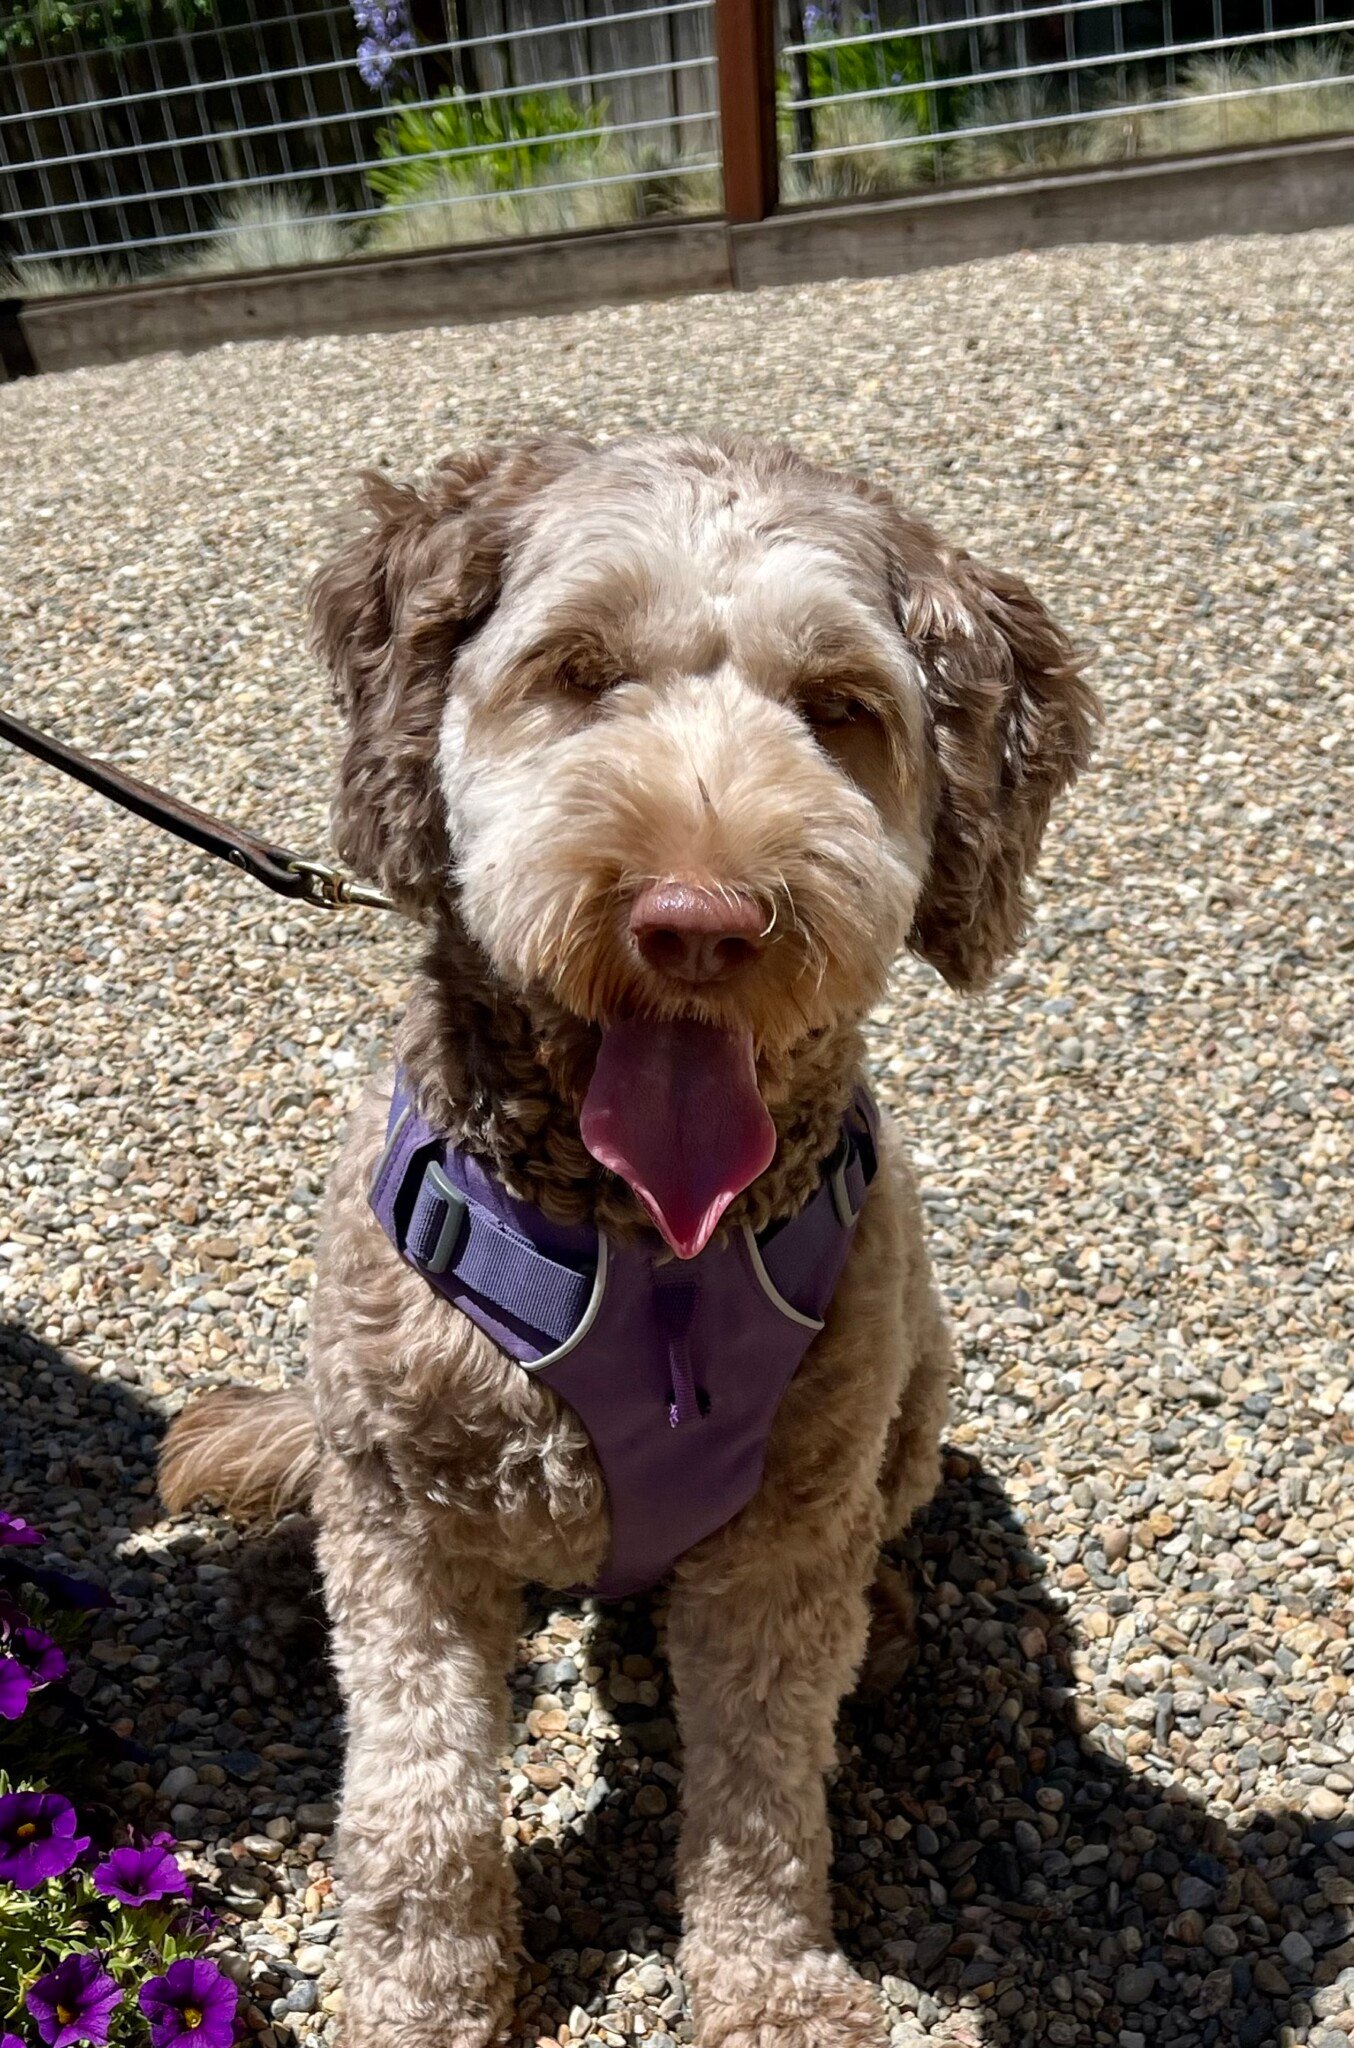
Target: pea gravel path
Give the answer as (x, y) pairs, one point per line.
(1113, 1801)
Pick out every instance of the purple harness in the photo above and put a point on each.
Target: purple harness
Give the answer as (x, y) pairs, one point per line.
(675, 1368)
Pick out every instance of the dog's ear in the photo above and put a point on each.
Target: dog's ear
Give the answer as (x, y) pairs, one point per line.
(1012, 723)
(386, 613)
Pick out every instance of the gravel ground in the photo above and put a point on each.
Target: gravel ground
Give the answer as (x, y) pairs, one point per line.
(1113, 1801)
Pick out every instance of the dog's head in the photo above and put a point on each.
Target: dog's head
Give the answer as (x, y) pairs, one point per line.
(692, 737)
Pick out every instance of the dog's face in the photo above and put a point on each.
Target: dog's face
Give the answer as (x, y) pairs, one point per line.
(692, 736)
(690, 683)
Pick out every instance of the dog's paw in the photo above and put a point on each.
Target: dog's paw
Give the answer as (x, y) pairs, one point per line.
(819, 2003)
(464, 2025)
(450, 2033)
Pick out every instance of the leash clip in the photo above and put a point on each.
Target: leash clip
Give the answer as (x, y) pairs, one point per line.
(331, 889)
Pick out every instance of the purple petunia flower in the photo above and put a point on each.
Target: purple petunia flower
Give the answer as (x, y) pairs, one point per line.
(191, 2006)
(10, 2041)
(15, 1686)
(74, 2002)
(28, 1659)
(66, 1590)
(37, 1838)
(62, 1587)
(138, 1877)
(17, 1534)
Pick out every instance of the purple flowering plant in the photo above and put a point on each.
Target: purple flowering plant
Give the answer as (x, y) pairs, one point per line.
(38, 1838)
(99, 1947)
(386, 38)
(75, 2001)
(191, 2006)
(86, 1952)
(141, 1877)
(42, 1615)
(28, 1659)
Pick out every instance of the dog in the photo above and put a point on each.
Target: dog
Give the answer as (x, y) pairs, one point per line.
(673, 745)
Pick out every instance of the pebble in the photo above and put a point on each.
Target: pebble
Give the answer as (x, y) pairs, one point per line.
(1297, 1950)
(318, 1815)
(1135, 1585)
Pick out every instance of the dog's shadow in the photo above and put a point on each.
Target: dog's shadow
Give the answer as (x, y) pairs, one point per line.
(1008, 1875)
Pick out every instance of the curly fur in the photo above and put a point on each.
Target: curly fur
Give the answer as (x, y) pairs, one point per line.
(566, 673)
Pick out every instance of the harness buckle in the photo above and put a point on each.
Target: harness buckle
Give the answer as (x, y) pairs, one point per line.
(439, 1218)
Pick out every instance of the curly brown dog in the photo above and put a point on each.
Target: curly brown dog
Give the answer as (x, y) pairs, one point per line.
(672, 745)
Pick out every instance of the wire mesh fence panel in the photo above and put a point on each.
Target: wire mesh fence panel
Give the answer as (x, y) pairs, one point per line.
(153, 138)
(907, 93)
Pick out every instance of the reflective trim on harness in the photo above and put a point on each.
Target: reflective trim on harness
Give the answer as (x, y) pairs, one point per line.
(769, 1287)
(850, 1171)
(589, 1318)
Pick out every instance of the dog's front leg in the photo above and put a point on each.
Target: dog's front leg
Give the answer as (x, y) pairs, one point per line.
(761, 1656)
(422, 1643)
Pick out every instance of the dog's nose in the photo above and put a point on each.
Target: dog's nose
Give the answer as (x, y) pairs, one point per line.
(694, 934)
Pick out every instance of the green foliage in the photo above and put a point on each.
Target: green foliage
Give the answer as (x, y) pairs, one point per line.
(865, 140)
(95, 24)
(271, 230)
(874, 67)
(1306, 89)
(511, 144)
(880, 143)
(904, 73)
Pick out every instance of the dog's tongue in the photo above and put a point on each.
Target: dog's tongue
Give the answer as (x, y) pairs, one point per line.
(674, 1109)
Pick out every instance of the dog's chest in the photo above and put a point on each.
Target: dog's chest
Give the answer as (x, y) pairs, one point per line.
(674, 1369)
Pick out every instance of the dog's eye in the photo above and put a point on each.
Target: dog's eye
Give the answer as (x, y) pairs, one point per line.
(585, 679)
(826, 713)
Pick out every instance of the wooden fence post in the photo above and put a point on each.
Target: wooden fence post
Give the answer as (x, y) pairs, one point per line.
(745, 46)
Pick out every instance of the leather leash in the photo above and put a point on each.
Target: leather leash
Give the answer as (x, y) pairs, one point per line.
(286, 874)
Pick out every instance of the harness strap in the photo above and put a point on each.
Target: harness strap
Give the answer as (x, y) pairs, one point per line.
(676, 1302)
(674, 1371)
(855, 1162)
(450, 1237)
(453, 1241)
